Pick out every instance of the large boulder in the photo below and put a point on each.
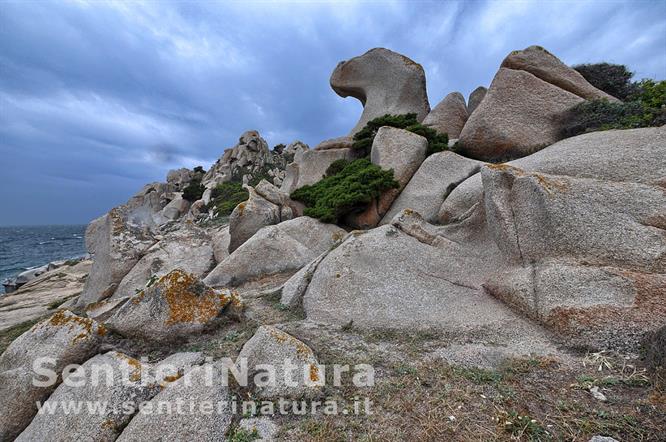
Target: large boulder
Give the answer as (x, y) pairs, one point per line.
(385, 82)
(475, 98)
(272, 347)
(279, 249)
(176, 208)
(310, 166)
(518, 116)
(65, 338)
(438, 175)
(200, 385)
(180, 177)
(544, 65)
(124, 388)
(248, 157)
(636, 155)
(175, 306)
(449, 116)
(188, 248)
(392, 149)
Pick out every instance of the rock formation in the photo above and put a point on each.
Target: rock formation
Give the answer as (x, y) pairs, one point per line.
(475, 98)
(385, 82)
(449, 116)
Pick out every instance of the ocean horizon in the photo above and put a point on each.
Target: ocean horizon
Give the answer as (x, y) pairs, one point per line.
(26, 247)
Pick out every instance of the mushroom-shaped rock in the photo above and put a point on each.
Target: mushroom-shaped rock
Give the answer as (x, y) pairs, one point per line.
(178, 304)
(280, 249)
(385, 82)
(64, 338)
(112, 379)
(518, 115)
(199, 385)
(475, 98)
(544, 65)
(449, 116)
(279, 350)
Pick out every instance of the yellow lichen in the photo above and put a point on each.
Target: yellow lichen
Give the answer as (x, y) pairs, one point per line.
(241, 208)
(314, 373)
(134, 364)
(189, 301)
(65, 318)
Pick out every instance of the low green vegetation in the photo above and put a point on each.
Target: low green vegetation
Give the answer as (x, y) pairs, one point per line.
(363, 139)
(226, 196)
(349, 190)
(194, 190)
(643, 105)
(8, 335)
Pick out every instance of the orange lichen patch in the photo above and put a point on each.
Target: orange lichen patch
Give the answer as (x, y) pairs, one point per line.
(337, 236)
(171, 378)
(108, 424)
(136, 299)
(241, 208)
(550, 184)
(135, 366)
(503, 167)
(408, 212)
(302, 350)
(314, 373)
(65, 318)
(190, 301)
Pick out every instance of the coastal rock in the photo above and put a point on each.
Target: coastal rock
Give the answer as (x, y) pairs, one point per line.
(310, 167)
(175, 306)
(249, 217)
(65, 338)
(438, 175)
(517, 117)
(547, 67)
(449, 116)
(475, 98)
(271, 346)
(278, 249)
(176, 208)
(199, 385)
(385, 82)
(125, 389)
(188, 248)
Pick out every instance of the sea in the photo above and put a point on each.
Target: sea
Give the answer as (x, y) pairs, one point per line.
(26, 247)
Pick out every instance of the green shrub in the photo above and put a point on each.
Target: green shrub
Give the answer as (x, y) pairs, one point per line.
(350, 190)
(226, 196)
(646, 108)
(614, 79)
(363, 139)
(336, 167)
(199, 169)
(193, 191)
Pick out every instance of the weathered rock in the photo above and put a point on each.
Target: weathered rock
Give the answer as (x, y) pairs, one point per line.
(199, 385)
(310, 167)
(544, 65)
(103, 310)
(517, 116)
(273, 347)
(175, 306)
(636, 155)
(385, 82)
(176, 208)
(449, 116)
(180, 177)
(602, 439)
(249, 217)
(265, 428)
(475, 98)
(438, 175)
(64, 337)
(188, 249)
(283, 248)
(392, 149)
(292, 149)
(125, 389)
(295, 287)
(220, 242)
(345, 142)
(288, 207)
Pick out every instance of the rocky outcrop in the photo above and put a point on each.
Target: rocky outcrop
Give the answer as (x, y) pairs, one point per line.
(544, 65)
(199, 385)
(180, 178)
(65, 338)
(449, 116)
(345, 142)
(438, 175)
(310, 166)
(283, 248)
(475, 98)
(385, 82)
(275, 348)
(188, 248)
(517, 117)
(176, 208)
(392, 149)
(176, 306)
(125, 389)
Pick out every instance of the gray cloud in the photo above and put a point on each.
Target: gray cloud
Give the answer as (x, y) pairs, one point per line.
(98, 98)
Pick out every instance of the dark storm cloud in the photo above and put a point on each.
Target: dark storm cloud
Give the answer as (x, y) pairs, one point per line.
(98, 98)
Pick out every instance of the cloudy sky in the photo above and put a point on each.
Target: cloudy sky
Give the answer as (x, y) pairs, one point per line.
(98, 98)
